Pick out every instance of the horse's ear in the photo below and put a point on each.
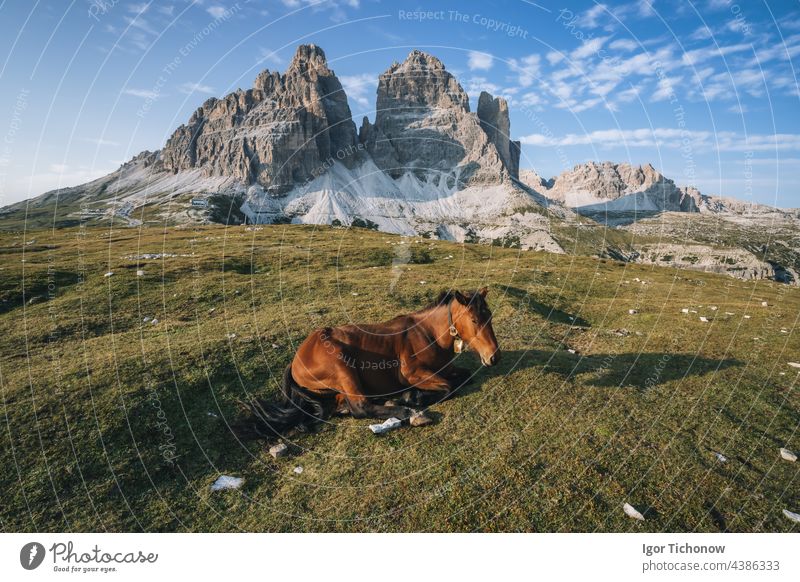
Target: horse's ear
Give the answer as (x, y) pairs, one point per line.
(460, 297)
(483, 291)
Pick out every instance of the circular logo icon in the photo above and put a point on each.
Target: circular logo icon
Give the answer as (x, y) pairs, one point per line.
(31, 555)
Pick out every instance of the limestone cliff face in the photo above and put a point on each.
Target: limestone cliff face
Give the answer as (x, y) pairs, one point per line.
(595, 183)
(289, 128)
(280, 133)
(423, 124)
(495, 121)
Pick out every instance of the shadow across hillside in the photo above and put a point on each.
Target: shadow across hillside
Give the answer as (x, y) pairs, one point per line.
(641, 371)
(522, 299)
(169, 435)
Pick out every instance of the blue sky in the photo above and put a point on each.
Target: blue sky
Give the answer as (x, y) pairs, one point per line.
(705, 90)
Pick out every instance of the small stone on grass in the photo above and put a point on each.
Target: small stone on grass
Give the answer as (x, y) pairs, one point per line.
(227, 482)
(631, 511)
(279, 450)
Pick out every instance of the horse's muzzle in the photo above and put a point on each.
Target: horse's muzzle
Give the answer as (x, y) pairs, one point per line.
(491, 360)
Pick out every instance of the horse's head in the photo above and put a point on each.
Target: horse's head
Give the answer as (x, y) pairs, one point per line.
(473, 322)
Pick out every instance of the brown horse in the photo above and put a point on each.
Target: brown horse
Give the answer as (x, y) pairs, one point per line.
(407, 360)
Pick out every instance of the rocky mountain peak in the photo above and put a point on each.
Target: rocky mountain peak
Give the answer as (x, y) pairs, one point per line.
(423, 124)
(495, 122)
(418, 60)
(419, 81)
(308, 57)
(282, 132)
(611, 187)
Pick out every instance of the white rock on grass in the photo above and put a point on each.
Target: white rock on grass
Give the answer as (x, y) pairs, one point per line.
(794, 364)
(633, 311)
(279, 450)
(746, 316)
(140, 273)
(227, 482)
(764, 304)
(788, 455)
(703, 319)
(721, 458)
(795, 517)
(685, 310)
(297, 470)
(109, 274)
(386, 426)
(713, 307)
(631, 511)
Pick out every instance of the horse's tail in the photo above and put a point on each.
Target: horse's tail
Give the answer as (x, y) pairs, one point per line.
(297, 408)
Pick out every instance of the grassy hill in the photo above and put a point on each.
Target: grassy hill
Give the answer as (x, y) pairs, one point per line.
(115, 422)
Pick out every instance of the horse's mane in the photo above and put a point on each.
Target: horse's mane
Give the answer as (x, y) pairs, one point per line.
(448, 295)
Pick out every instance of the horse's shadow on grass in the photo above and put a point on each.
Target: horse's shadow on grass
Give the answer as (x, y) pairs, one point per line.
(525, 300)
(641, 371)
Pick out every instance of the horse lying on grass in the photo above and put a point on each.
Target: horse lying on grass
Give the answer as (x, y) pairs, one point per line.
(407, 360)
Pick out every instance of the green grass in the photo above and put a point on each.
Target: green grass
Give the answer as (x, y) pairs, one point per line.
(95, 402)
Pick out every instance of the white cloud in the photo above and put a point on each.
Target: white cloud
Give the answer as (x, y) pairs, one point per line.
(718, 4)
(140, 23)
(697, 56)
(646, 9)
(139, 8)
(141, 93)
(217, 11)
(474, 85)
(590, 18)
(701, 33)
(531, 99)
(335, 7)
(665, 88)
(589, 48)
(479, 61)
(100, 141)
(269, 56)
(526, 68)
(623, 44)
(360, 88)
(189, 88)
(610, 17)
(629, 95)
(670, 138)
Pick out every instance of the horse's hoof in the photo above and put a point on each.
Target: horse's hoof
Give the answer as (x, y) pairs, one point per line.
(420, 419)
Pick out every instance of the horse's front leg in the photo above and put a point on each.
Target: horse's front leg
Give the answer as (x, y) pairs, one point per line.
(352, 398)
(431, 387)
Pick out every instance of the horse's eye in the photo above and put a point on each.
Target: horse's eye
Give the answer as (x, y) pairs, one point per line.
(475, 320)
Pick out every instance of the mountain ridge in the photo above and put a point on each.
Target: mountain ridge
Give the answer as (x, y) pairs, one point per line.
(288, 150)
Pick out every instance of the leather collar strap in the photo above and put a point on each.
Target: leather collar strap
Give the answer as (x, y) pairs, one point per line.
(453, 330)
